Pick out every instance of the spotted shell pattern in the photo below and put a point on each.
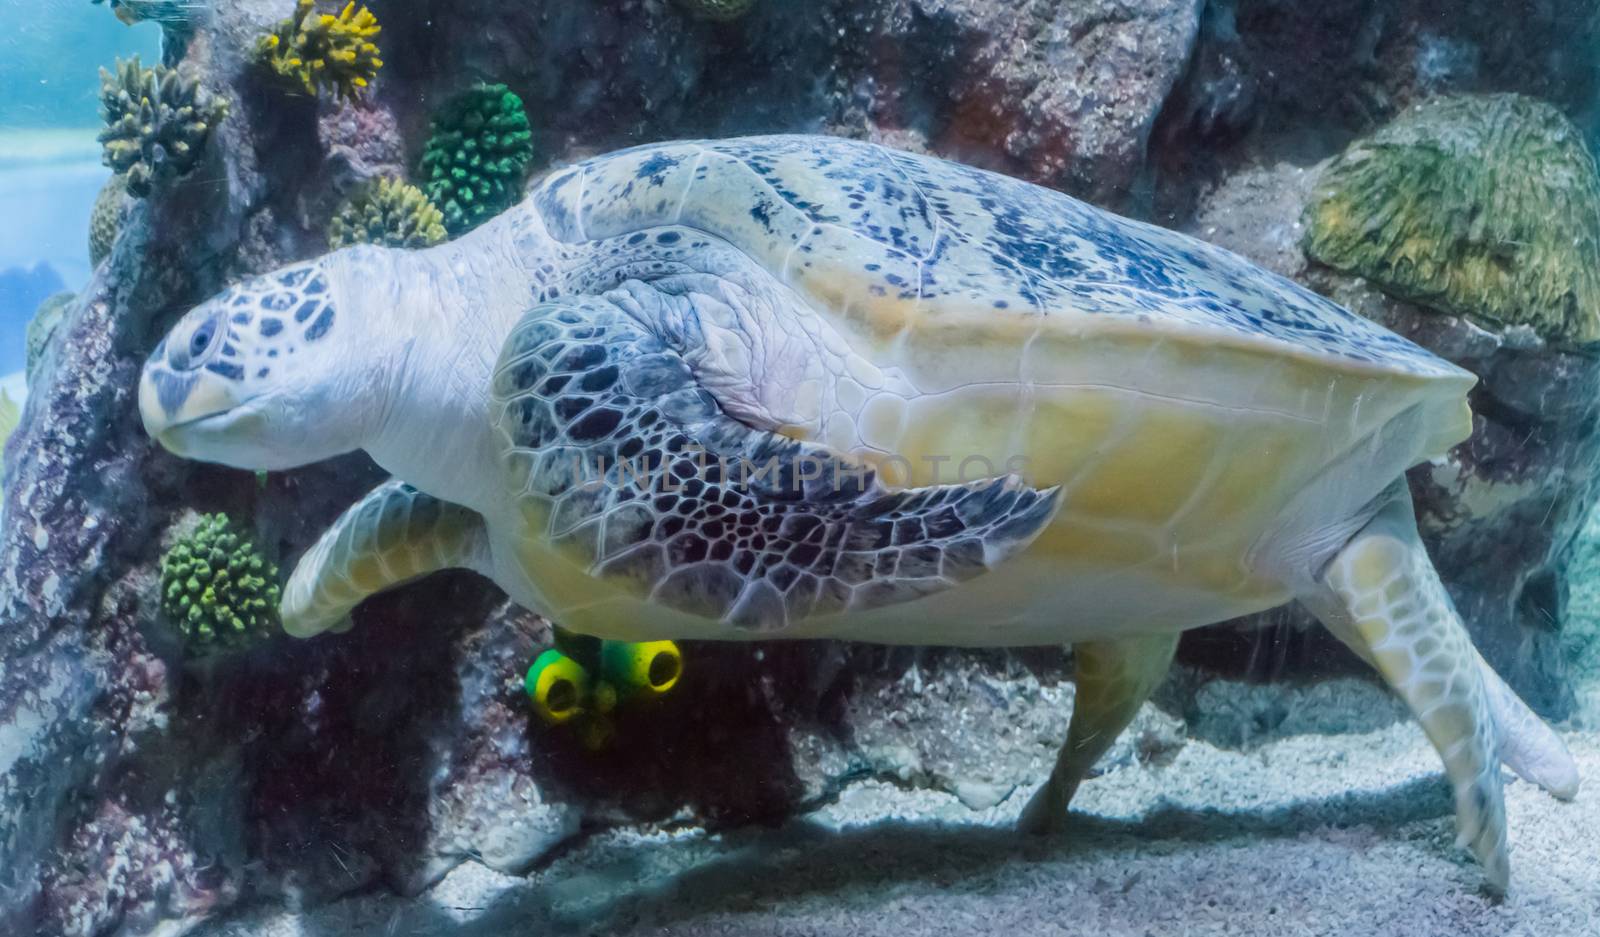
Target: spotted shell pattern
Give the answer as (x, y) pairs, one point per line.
(860, 224)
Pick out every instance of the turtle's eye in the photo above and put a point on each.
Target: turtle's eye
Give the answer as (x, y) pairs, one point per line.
(200, 342)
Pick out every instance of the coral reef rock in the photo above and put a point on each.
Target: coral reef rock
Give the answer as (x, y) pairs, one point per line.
(1482, 206)
(1066, 92)
(1324, 72)
(1050, 91)
(1581, 633)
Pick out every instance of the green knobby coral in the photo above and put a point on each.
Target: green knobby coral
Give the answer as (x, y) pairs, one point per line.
(721, 11)
(1483, 206)
(157, 122)
(324, 51)
(387, 212)
(217, 587)
(477, 156)
(105, 220)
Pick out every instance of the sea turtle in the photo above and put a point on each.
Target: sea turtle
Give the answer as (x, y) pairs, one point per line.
(806, 387)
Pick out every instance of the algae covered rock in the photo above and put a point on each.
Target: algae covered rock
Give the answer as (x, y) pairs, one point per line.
(157, 122)
(217, 587)
(477, 156)
(326, 50)
(105, 220)
(387, 212)
(1482, 206)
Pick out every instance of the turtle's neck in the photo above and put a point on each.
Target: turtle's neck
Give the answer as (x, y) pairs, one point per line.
(455, 304)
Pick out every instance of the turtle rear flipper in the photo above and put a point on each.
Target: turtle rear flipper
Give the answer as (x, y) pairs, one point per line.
(393, 535)
(1528, 746)
(624, 460)
(1380, 595)
(1112, 679)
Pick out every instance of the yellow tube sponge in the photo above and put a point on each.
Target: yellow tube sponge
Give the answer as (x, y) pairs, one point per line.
(324, 51)
(558, 687)
(651, 668)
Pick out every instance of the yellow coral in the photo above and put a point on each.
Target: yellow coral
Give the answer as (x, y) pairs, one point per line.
(388, 212)
(326, 50)
(157, 122)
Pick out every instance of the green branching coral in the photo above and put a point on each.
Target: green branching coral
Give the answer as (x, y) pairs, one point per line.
(721, 11)
(157, 122)
(1483, 206)
(216, 586)
(387, 212)
(477, 156)
(110, 210)
(324, 51)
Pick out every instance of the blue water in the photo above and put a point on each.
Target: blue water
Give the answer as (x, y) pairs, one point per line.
(50, 165)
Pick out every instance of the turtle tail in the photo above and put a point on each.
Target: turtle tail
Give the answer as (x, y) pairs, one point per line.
(1528, 746)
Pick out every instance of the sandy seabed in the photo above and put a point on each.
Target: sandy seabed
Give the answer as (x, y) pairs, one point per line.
(1338, 834)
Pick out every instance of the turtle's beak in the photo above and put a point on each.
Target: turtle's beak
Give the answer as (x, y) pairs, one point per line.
(175, 404)
(184, 391)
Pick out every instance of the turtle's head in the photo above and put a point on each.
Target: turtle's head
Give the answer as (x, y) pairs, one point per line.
(261, 376)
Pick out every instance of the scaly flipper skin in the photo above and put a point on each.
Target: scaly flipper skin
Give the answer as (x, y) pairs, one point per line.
(1113, 680)
(625, 461)
(1383, 598)
(1528, 746)
(395, 534)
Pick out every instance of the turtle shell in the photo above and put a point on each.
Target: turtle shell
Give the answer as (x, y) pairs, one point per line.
(1179, 392)
(900, 240)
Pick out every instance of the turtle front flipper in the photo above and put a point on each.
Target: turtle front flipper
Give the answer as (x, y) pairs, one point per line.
(393, 535)
(1381, 595)
(627, 465)
(1113, 679)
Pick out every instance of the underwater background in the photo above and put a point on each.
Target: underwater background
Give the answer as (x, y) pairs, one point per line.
(50, 167)
(170, 764)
